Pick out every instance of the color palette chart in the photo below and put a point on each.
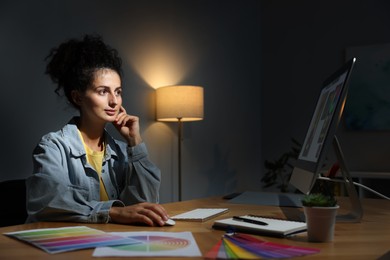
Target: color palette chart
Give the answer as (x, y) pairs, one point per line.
(56, 240)
(242, 246)
(154, 244)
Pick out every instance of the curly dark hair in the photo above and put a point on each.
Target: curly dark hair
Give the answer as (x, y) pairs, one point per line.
(73, 63)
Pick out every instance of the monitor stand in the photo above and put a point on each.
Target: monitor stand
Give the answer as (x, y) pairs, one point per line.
(356, 213)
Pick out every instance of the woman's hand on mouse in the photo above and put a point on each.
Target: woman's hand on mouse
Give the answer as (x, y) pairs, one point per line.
(150, 214)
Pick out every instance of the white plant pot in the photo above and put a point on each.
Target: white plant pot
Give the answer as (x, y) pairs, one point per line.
(320, 223)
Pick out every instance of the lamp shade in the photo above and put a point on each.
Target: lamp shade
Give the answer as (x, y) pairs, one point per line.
(179, 102)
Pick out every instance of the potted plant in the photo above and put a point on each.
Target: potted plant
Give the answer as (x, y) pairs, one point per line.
(320, 211)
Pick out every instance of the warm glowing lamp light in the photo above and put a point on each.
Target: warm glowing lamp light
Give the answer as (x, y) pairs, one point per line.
(179, 104)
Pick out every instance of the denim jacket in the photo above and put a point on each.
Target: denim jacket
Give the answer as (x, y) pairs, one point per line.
(64, 187)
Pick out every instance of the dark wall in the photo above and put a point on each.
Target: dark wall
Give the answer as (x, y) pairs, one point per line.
(261, 64)
(303, 42)
(214, 44)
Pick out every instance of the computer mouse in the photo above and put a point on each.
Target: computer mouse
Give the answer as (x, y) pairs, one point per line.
(170, 222)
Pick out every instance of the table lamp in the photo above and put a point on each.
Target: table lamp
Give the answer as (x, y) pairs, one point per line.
(179, 104)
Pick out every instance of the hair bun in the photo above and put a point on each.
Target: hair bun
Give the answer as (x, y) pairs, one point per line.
(72, 63)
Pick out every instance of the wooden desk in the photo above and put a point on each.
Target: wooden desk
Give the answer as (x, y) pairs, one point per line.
(369, 239)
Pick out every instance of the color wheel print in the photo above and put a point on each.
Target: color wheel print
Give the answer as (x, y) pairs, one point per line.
(154, 244)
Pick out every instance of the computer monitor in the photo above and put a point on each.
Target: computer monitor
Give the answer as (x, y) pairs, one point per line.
(321, 135)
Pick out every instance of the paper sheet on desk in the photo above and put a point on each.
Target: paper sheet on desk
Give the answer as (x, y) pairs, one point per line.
(57, 240)
(153, 244)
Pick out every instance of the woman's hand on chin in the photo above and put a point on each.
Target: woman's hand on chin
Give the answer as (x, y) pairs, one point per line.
(128, 127)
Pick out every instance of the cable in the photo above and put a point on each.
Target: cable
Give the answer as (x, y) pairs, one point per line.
(357, 184)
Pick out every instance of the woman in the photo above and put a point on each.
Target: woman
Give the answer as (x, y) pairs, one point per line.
(81, 173)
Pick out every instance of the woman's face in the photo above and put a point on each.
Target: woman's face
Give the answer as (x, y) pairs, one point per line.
(102, 100)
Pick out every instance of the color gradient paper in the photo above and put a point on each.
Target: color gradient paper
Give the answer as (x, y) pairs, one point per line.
(153, 244)
(56, 240)
(241, 246)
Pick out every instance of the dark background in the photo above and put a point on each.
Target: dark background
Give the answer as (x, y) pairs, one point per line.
(261, 64)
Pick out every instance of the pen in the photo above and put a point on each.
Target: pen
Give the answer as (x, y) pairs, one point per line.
(258, 222)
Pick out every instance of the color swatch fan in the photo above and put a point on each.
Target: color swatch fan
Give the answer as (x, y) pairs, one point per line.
(241, 246)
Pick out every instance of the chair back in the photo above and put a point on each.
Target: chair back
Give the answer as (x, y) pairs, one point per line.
(13, 206)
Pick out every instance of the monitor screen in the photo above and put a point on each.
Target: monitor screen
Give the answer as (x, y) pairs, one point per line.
(322, 128)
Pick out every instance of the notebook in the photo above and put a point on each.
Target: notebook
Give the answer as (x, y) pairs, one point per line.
(200, 214)
(274, 227)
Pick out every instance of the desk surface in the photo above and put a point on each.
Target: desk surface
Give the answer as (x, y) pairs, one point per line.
(369, 239)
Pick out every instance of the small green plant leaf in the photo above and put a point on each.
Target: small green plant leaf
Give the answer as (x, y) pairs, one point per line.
(318, 200)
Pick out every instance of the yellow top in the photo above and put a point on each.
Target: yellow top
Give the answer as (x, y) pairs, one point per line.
(95, 159)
